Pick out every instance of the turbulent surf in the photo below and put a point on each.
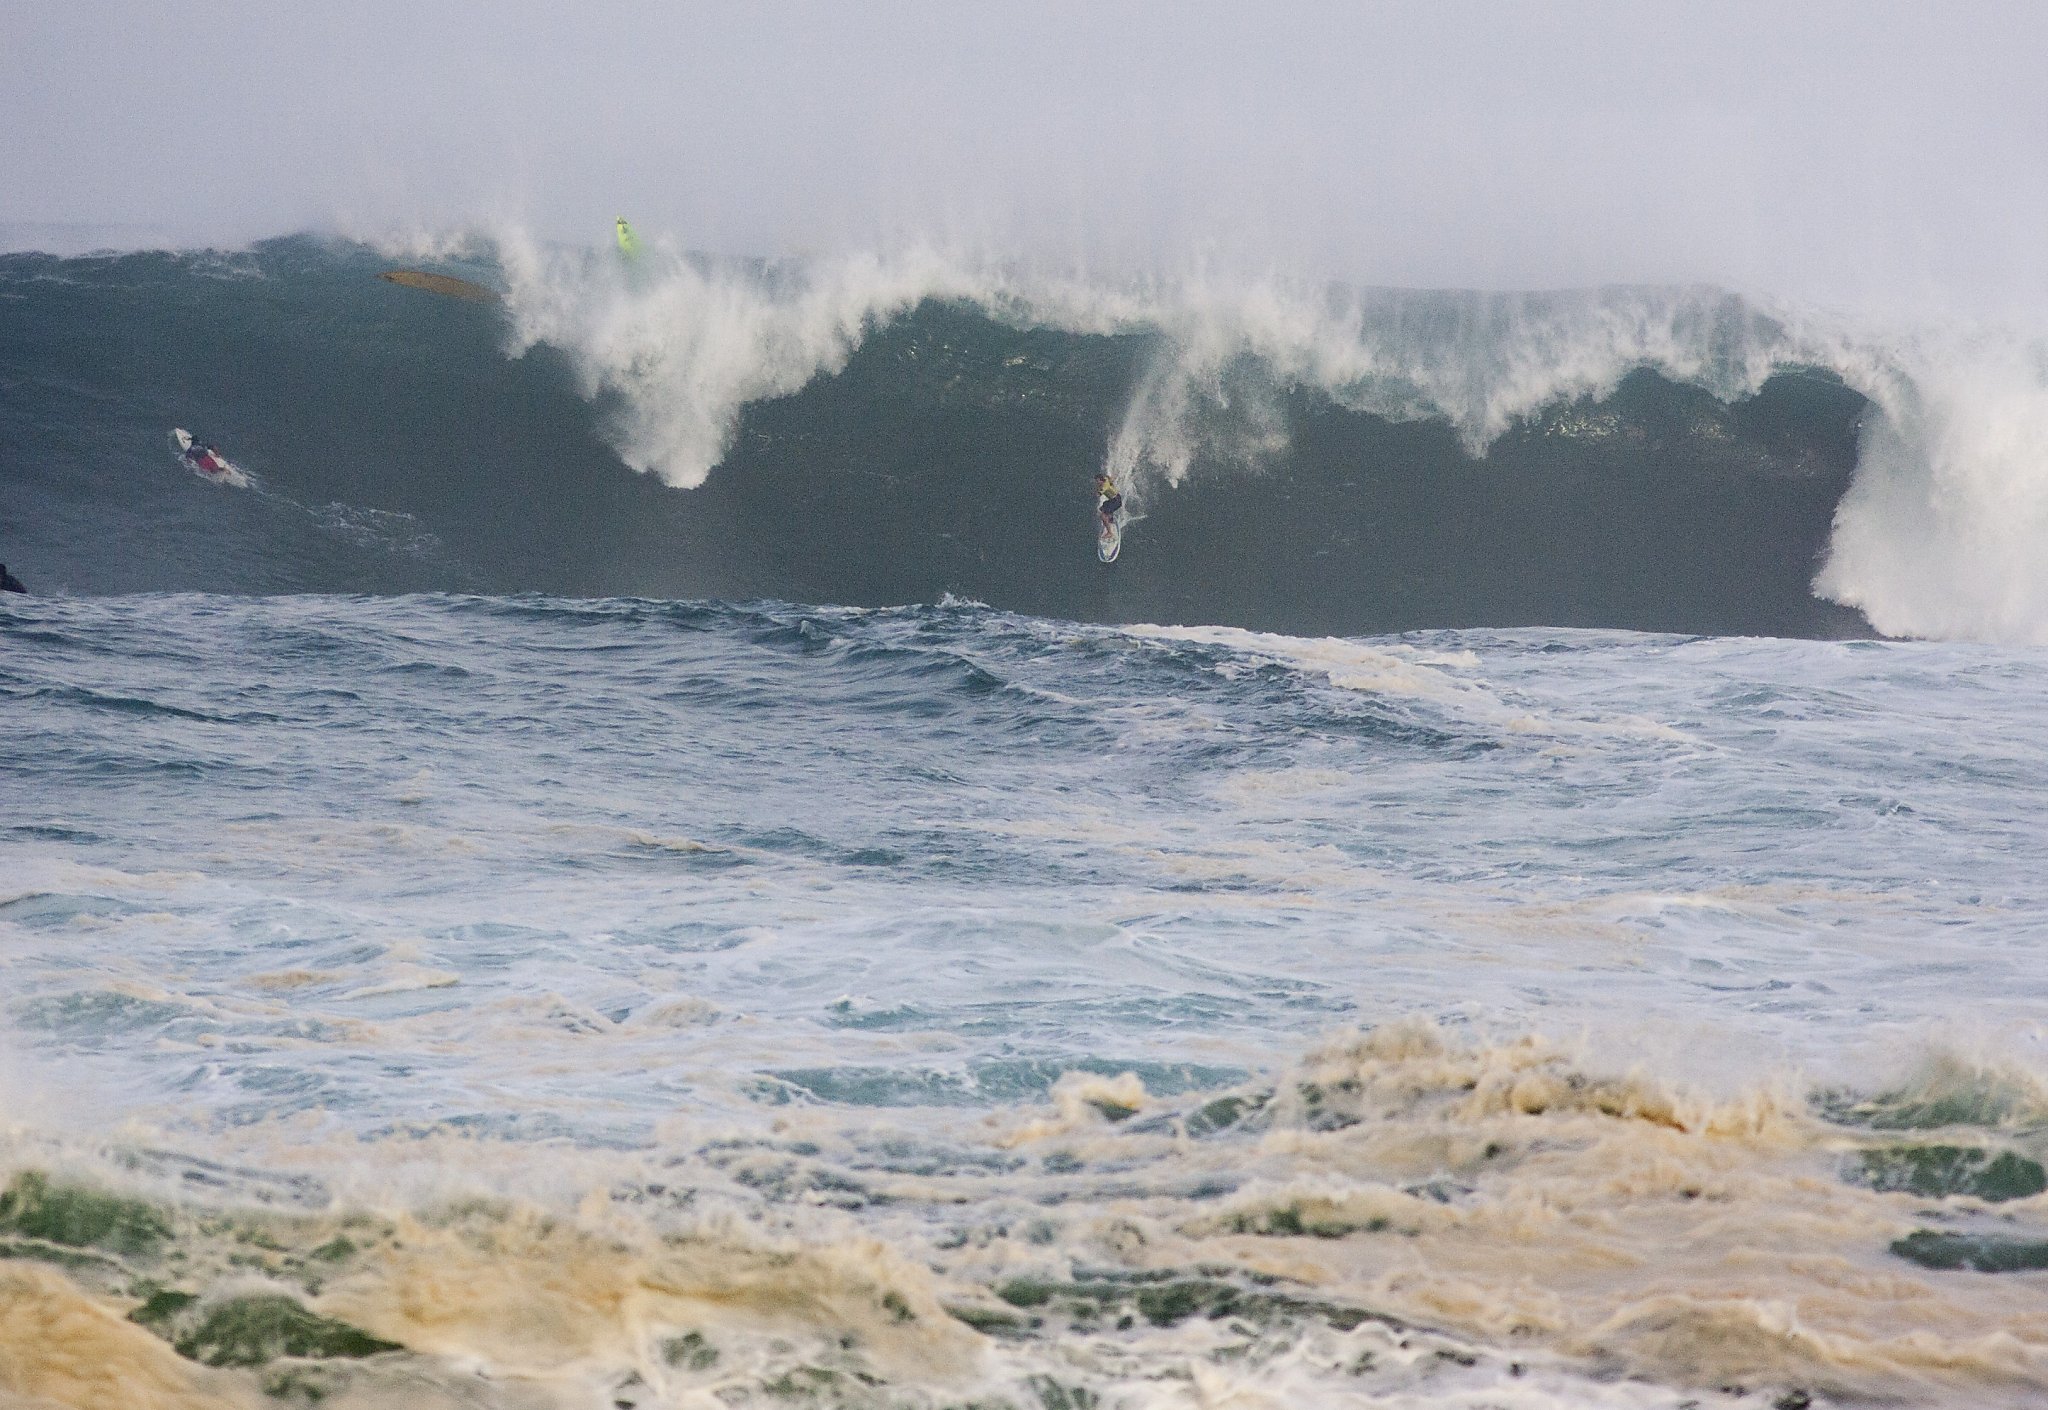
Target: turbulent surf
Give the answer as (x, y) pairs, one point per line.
(646, 862)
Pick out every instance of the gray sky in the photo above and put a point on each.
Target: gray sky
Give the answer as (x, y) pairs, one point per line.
(1869, 152)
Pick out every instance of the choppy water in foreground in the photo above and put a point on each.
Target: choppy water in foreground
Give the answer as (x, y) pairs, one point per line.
(522, 1002)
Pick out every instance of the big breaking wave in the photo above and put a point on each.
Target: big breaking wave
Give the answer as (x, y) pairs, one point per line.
(1941, 535)
(1199, 388)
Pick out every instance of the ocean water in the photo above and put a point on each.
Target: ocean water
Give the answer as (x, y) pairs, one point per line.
(1470, 911)
(937, 1005)
(891, 431)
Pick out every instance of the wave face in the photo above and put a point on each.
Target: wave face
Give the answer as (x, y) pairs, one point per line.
(895, 428)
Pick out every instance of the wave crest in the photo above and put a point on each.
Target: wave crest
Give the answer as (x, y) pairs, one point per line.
(1940, 535)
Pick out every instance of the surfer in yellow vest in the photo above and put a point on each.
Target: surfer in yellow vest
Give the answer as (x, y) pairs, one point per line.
(1108, 500)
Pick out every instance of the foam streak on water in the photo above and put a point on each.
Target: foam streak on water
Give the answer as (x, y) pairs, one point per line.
(691, 1004)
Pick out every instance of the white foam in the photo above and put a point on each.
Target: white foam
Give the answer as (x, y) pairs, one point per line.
(1942, 534)
(1377, 669)
(1945, 531)
(686, 345)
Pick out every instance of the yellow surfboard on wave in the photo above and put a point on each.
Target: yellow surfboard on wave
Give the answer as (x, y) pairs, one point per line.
(446, 284)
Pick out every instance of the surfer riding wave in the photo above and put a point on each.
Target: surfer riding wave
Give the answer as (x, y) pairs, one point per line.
(1108, 499)
(1109, 505)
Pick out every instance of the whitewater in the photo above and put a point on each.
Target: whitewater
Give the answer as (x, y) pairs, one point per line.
(643, 863)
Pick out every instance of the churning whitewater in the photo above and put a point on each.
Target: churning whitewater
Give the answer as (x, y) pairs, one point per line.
(641, 861)
(526, 1002)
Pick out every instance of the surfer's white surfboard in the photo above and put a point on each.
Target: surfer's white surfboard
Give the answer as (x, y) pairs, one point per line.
(1109, 536)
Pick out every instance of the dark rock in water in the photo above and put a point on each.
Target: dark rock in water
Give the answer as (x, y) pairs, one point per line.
(1980, 1253)
(1937, 1172)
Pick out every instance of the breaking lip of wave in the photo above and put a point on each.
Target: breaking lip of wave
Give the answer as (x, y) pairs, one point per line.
(1940, 535)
